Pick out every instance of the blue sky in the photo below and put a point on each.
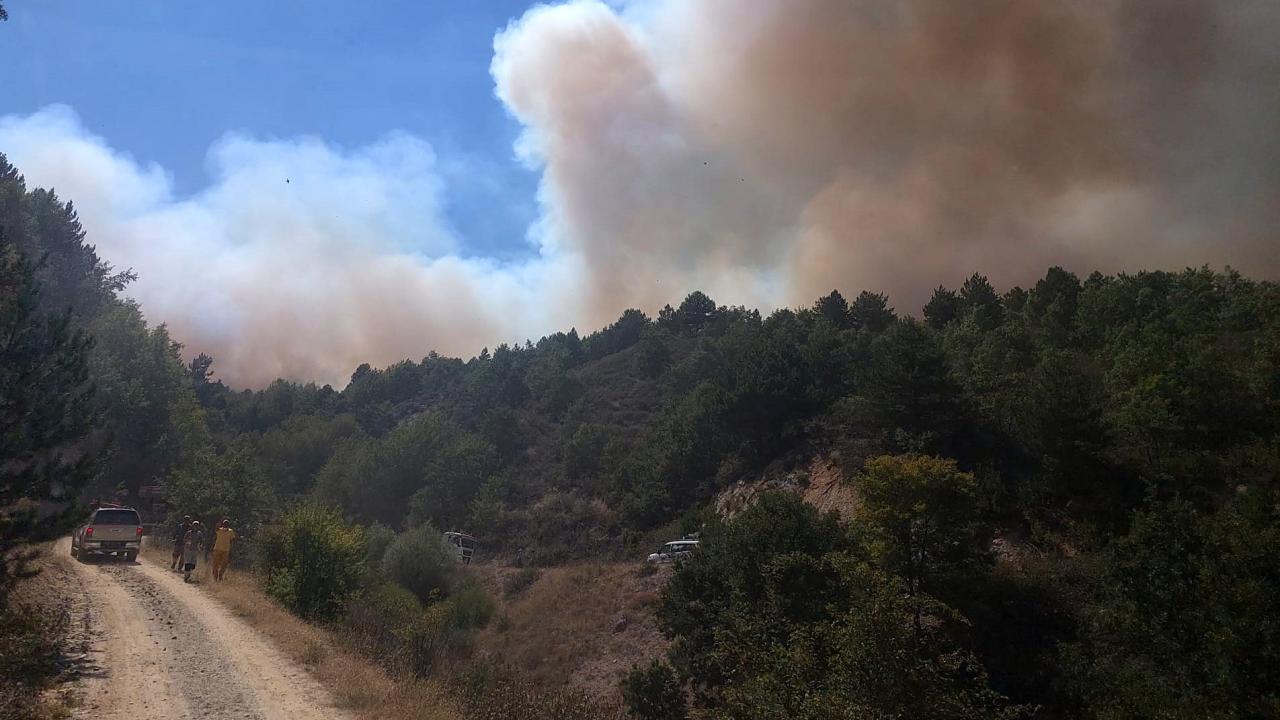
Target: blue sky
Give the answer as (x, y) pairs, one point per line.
(163, 80)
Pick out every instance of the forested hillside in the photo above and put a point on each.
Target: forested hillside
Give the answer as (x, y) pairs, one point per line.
(151, 419)
(1099, 458)
(1074, 402)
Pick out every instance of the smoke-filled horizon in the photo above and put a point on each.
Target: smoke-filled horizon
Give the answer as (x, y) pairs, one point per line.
(763, 152)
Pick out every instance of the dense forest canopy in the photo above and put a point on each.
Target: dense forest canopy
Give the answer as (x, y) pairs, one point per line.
(1098, 455)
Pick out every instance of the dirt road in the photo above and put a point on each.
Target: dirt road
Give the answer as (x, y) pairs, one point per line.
(159, 648)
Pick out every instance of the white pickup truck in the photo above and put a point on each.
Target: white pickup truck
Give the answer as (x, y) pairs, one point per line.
(110, 531)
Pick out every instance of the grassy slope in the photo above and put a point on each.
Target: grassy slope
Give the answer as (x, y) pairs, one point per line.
(560, 631)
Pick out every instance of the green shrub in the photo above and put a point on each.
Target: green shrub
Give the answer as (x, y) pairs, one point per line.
(377, 619)
(312, 561)
(654, 693)
(921, 518)
(469, 607)
(432, 637)
(388, 624)
(419, 561)
(377, 538)
(519, 581)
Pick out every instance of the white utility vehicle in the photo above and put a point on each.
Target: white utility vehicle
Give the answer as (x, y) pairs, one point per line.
(673, 551)
(462, 544)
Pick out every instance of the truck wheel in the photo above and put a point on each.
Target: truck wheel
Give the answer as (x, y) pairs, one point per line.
(73, 549)
(131, 556)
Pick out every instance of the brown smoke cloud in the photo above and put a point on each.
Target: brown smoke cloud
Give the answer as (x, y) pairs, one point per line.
(897, 145)
(760, 150)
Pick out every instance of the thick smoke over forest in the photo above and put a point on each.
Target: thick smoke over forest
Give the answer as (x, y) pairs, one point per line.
(765, 152)
(779, 149)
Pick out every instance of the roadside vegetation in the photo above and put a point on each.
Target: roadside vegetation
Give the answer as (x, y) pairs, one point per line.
(50, 420)
(33, 633)
(409, 608)
(1067, 499)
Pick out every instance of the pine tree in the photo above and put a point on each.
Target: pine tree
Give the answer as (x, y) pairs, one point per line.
(48, 418)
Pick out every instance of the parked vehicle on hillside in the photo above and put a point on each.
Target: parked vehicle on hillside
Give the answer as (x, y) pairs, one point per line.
(463, 544)
(673, 551)
(111, 530)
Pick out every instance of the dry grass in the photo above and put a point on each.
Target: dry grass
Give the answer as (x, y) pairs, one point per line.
(559, 631)
(357, 684)
(37, 636)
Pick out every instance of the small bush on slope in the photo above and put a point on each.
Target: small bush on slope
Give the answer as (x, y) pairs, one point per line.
(312, 561)
(418, 561)
(654, 693)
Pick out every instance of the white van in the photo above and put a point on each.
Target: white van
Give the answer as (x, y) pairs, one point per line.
(674, 550)
(463, 544)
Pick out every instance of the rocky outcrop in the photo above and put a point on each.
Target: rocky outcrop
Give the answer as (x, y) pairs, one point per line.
(738, 496)
(830, 490)
(822, 484)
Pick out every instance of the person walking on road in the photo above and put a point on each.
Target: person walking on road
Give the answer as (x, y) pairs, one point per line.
(222, 548)
(179, 535)
(192, 546)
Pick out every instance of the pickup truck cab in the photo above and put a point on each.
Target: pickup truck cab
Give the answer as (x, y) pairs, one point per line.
(110, 531)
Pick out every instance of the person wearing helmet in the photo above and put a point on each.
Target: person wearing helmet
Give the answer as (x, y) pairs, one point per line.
(179, 536)
(223, 536)
(192, 546)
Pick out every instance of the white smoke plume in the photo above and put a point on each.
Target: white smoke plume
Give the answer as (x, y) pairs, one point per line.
(763, 151)
(299, 260)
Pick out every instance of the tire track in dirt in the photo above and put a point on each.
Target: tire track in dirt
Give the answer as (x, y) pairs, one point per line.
(165, 649)
(197, 662)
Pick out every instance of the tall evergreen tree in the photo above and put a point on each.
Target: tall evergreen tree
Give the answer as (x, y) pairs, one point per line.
(48, 447)
(871, 311)
(942, 308)
(834, 308)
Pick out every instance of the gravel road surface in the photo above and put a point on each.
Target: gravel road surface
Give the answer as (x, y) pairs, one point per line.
(160, 648)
